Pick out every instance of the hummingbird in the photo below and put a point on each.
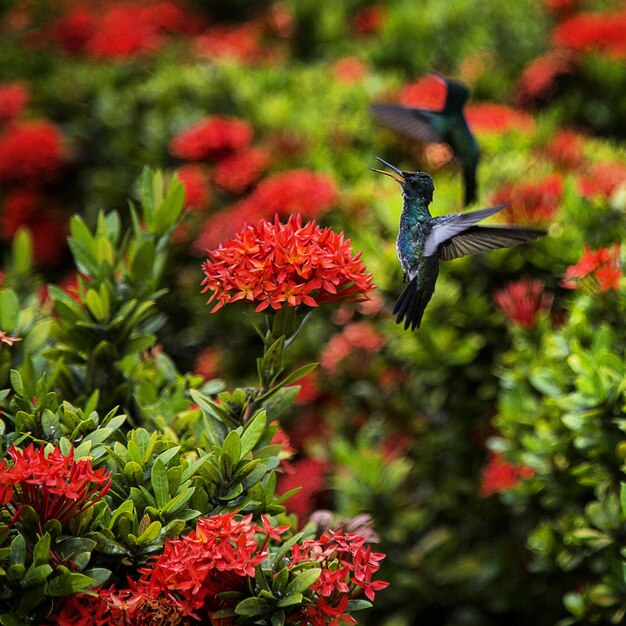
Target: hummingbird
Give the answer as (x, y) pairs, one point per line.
(446, 126)
(424, 240)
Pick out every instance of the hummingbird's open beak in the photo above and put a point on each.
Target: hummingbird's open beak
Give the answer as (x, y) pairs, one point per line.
(400, 176)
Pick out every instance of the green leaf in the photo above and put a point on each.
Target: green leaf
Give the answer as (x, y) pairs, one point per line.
(9, 310)
(296, 375)
(232, 446)
(290, 600)
(160, 485)
(252, 606)
(253, 433)
(41, 552)
(142, 261)
(66, 584)
(303, 581)
(35, 576)
(16, 382)
(150, 534)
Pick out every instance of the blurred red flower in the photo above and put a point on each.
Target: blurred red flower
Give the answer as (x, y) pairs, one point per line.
(14, 97)
(240, 42)
(309, 389)
(524, 301)
(561, 6)
(56, 486)
(497, 118)
(538, 80)
(48, 227)
(499, 475)
(310, 475)
(30, 151)
(532, 202)
(602, 266)
(602, 179)
(237, 172)
(428, 92)
(213, 137)
(296, 191)
(349, 70)
(273, 264)
(75, 29)
(197, 186)
(207, 363)
(601, 32)
(369, 20)
(565, 149)
(360, 338)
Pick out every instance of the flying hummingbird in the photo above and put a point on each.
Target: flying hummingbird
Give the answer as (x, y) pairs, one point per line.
(446, 126)
(424, 240)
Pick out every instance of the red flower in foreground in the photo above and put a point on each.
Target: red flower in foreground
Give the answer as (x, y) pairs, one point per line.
(532, 202)
(499, 475)
(497, 118)
(237, 172)
(603, 32)
(273, 264)
(524, 301)
(30, 151)
(55, 486)
(602, 267)
(14, 97)
(211, 138)
(429, 92)
(296, 191)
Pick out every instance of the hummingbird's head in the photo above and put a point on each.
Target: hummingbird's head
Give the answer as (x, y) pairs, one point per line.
(418, 185)
(457, 95)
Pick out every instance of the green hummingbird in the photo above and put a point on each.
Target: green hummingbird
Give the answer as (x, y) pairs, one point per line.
(424, 240)
(446, 126)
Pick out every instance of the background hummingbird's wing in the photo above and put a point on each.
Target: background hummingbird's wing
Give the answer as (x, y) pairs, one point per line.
(419, 124)
(480, 238)
(448, 226)
(411, 304)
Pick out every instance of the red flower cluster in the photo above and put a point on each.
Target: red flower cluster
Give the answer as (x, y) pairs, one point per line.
(14, 97)
(498, 118)
(349, 70)
(30, 209)
(602, 179)
(240, 42)
(237, 172)
(531, 202)
(356, 338)
(369, 20)
(120, 31)
(30, 152)
(539, 76)
(284, 194)
(197, 185)
(310, 476)
(429, 92)
(273, 264)
(55, 486)
(348, 566)
(213, 137)
(499, 475)
(601, 32)
(603, 267)
(524, 301)
(565, 150)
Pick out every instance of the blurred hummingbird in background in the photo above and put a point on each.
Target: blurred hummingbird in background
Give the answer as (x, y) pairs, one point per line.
(424, 240)
(446, 126)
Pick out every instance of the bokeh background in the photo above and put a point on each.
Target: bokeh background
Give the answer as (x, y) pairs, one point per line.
(488, 447)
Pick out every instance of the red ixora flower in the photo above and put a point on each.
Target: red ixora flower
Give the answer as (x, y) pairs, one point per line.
(602, 179)
(296, 191)
(55, 485)
(30, 151)
(213, 137)
(533, 202)
(221, 41)
(538, 80)
(14, 97)
(488, 117)
(369, 20)
(273, 264)
(237, 172)
(523, 301)
(197, 186)
(587, 32)
(499, 475)
(601, 268)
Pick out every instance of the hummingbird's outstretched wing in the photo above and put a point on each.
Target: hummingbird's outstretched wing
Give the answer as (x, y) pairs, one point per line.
(447, 226)
(419, 124)
(411, 304)
(480, 238)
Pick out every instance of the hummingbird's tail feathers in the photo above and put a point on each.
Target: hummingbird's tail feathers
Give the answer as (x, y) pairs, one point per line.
(481, 238)
(416, 123)
(447, 226)
(410, 305)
